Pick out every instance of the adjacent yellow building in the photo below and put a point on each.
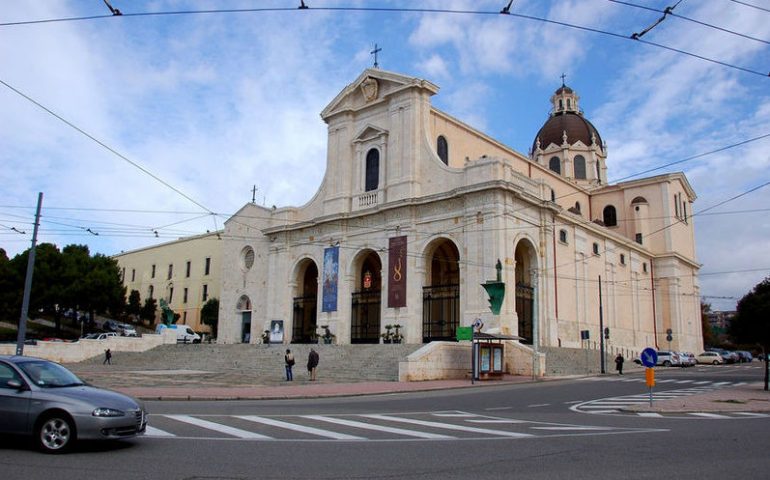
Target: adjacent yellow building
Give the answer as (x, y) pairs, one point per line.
(185, 273)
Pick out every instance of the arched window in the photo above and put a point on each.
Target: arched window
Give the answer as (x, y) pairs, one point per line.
(580, 167)
(442, 148)
(563, 236)
(372, 170)
(610, 216)
(598, 172)
(577, 207)
(553, 195)
(555, 164)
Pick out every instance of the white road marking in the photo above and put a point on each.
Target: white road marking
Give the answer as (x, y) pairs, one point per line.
(708, 415)
(453, 414)
(379, 428)
(299, 428)
(499, 420)
(156, 432)
(498, 408)
(538, 405)
(722, 384)
(572, 428)
(217, 427)
(704, 382)
(750, 414)
(447, 426)
(649, 414)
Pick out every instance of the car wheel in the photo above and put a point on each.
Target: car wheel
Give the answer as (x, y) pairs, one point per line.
(666, 363)
(715, 363)
(55, 433)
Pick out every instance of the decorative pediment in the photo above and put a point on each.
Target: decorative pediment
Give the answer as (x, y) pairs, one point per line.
(372, 86)
(369, 132)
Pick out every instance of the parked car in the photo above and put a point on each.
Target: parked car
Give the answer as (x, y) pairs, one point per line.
(710, 358)
(100, 336)
(110, 326)
(127, 330)
(745, 357)
(686, 359)
(729, 356)
(44, 400)
(667, 359)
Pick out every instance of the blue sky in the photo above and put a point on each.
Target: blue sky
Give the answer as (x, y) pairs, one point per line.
(213, 104)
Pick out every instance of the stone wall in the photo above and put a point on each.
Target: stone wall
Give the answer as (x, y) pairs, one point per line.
(71, 352)
(579, 361)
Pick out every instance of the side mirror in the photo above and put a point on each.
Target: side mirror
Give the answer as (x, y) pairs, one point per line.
(17, 385)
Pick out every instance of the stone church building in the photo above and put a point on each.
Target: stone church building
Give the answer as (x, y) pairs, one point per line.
(417, 207)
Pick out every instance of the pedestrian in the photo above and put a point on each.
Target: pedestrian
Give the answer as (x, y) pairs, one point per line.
(107, 357)
(289, 359)
(619, 363)
(312, 363)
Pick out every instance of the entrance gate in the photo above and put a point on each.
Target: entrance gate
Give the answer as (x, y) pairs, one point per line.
(524, 299)
(304, 319)
(440, 312)
(365, 325)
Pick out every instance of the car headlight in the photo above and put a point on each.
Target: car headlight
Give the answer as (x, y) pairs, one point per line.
(107, 412)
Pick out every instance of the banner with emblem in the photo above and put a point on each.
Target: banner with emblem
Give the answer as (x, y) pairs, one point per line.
(397, 272)
(330, 278)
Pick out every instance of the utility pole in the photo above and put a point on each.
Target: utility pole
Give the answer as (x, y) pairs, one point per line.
(601, 326)
(28, 282)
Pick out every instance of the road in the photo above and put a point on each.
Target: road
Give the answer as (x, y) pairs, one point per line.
(529, 431)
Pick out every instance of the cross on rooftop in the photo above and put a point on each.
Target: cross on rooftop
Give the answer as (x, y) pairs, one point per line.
(374, 52)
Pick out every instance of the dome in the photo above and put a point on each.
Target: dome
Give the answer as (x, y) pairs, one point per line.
(566, 118)
(576, 127)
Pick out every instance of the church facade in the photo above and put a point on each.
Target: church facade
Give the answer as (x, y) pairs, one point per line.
(416, 209)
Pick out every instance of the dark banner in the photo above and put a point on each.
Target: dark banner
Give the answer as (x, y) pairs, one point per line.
(330, 278)
(397, 272)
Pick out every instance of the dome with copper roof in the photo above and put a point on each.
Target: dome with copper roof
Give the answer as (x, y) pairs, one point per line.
(566, 123)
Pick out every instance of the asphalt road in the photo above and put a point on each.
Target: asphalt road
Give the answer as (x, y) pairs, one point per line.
(516, 431)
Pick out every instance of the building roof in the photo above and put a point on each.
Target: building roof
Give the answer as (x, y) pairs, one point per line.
(577, 128)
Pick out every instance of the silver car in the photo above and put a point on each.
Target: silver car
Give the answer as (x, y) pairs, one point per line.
(45, 400)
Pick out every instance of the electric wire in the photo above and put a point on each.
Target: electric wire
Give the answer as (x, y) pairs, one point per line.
(750, 5)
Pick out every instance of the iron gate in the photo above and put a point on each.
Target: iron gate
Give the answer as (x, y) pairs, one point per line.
(304, 319)
(524, 299)
(440, 312)
(365, 324)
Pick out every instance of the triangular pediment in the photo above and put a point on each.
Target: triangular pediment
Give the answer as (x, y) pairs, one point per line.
(369, 132)
(373, 86)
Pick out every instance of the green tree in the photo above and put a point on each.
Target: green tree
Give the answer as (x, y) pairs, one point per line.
(708, 334)
(148, 310)
(210, 315)
(752, 323)
(134, 306)
(10, 295)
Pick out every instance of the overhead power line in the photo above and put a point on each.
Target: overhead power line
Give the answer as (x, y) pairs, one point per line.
(504, 12)
(750, 5)
(104, 145)
(669, 11)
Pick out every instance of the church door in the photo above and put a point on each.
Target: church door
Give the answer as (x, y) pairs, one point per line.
(366, 302)
(441, 297)
(304, 322)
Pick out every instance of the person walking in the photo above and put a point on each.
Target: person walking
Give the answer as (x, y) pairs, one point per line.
(312, 363)
(289, 359)
(107, 357)
(619, 363)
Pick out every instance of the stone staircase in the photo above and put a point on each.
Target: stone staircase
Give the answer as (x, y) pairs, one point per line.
(263, 364)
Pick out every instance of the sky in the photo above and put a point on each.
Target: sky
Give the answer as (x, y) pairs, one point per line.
(140, 129)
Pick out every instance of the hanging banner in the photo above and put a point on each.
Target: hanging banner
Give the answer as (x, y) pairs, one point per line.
(330, 278)
(397, 272)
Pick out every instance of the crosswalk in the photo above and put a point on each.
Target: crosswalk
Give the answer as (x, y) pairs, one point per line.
(620, 404)
(427, 426)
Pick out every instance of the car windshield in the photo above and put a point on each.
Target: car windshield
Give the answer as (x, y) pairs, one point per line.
(49, 375)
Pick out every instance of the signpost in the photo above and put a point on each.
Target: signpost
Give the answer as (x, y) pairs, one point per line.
(649, 358)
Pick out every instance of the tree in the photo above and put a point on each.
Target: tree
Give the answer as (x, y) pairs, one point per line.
(708, 334)
(210, 315)
(148, 310)
(752, 323)
(134, 306)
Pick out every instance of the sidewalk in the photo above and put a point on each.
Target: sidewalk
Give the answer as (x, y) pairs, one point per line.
(750, 398)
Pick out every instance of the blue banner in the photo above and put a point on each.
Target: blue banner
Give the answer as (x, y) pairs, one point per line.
(330, 278)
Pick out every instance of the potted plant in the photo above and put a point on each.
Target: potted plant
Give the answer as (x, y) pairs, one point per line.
(387, 337)
(328, 336)
(397, 337)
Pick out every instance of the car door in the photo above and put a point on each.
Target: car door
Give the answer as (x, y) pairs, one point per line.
(14, 401)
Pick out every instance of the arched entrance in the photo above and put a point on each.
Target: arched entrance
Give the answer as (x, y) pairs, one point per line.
(525, 290)
(441, 295)
(366, 300)
(305, 304)
(244, 308)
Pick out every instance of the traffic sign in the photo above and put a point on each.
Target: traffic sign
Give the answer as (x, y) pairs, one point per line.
(649, 357)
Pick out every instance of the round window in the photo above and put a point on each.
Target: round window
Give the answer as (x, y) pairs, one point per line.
(248, 257)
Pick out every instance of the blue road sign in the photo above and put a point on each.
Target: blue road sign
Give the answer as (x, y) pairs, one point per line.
(649, 357)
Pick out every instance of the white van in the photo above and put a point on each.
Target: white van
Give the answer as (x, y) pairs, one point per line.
(184, 334)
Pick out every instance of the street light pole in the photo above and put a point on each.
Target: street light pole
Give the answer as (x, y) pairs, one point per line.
(601, 326)
(28, 282)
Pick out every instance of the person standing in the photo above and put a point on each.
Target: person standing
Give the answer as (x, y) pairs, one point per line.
(107, 357)
(619, 363)
(289, 359)
(312, 363)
